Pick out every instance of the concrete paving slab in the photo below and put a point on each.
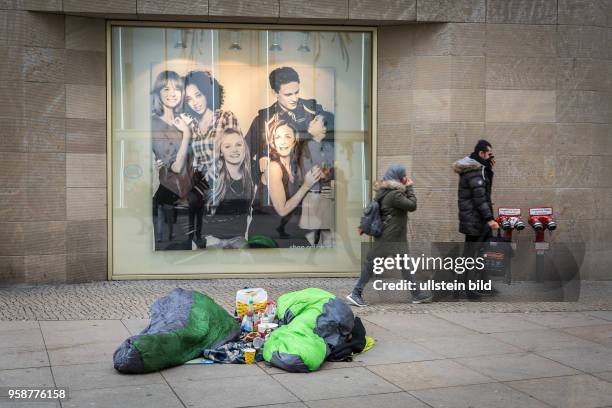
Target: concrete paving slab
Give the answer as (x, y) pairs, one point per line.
(556, 320)
(7, 326)
(24, 357)
(593, 359)
(429, 374)
(378, 332)
(494, 395)
(416, 326)
(326, 384)
(289, 405)
(606, 375)
(539, 340)
(233, 392)
(468, 346)
(135, 326)
(578, 391)
(395, 350)
(395, 400)
(82, 341)
(269, 369)
(27, 377)
(391, 348)
(509, 367)
(4, 403)
(601, 314)
(77, 332)
(150, 396)
(334, 365)
(90, 352)
(327, 365)
(22, 338)
(197, 372)
(597, 334)
(491, 322)
(99, 375)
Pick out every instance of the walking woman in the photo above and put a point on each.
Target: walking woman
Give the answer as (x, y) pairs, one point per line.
(396, 197)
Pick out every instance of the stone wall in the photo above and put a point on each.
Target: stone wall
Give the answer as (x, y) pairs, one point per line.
(533, 76)
(52, 148)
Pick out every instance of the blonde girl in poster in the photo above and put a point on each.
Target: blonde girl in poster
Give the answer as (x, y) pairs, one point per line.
(232, 196)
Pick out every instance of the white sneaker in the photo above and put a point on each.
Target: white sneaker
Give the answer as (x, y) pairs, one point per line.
(356, 299)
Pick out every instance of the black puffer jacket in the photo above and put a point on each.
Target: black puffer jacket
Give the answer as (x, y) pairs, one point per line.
(474, 198)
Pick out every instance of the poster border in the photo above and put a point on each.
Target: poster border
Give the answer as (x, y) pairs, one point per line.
(370, 142)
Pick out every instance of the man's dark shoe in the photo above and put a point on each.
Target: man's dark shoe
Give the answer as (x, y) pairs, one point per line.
(355, 299)
(472, 296)
(491, 292)
(423, 297)
(458, 294)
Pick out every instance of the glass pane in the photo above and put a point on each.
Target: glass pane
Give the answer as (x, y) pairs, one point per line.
(238, 151)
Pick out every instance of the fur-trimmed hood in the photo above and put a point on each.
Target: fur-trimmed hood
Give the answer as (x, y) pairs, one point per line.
(381, 185)
(466, 164)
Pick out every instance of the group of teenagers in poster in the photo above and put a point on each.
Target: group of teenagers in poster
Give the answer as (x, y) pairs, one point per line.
(218, 187)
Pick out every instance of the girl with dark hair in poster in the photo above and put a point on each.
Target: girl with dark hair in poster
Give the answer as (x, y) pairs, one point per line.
(203, 100)
(231, 198)
(171, 136)
(286, 185)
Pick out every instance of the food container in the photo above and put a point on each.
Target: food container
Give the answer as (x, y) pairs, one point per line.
(265, 328)
(257, 295)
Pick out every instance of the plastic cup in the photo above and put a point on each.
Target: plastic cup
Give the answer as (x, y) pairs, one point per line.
(258, 342)
(249, 355)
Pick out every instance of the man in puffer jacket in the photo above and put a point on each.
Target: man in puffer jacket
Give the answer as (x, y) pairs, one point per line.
(476, 220)
(396, 197)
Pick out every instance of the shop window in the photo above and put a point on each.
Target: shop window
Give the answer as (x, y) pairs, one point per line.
(238, 151)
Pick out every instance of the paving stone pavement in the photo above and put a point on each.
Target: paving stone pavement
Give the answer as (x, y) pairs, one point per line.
(132, 299)
(446, 354)
(440, 359)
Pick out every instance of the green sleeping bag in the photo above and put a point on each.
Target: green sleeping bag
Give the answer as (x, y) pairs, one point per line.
(312, 323)
(183, 323)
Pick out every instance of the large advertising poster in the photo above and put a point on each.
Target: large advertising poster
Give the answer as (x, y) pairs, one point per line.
(223, 183)
(238, 150)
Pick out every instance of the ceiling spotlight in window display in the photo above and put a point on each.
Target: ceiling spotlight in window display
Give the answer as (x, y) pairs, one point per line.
(235, 40)
(304, 45)
(180, 37)
(276, 39)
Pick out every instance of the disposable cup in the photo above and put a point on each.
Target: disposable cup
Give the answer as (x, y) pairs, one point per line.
(249, 355)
